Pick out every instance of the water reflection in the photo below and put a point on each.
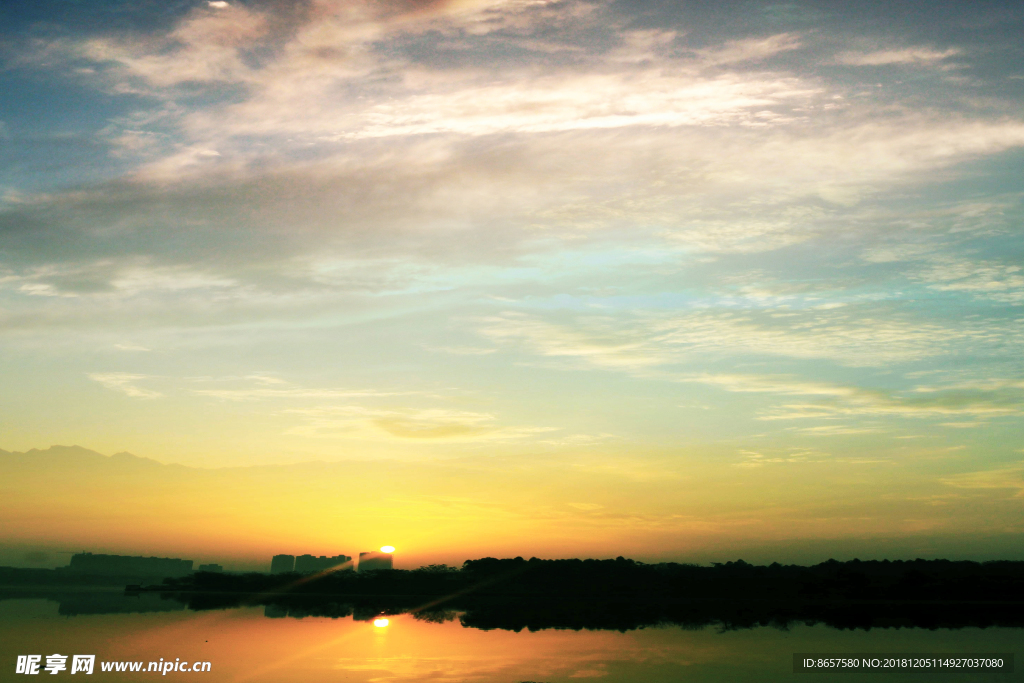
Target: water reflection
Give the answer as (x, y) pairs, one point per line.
(534, 615)
(111, 601)
(448, 645)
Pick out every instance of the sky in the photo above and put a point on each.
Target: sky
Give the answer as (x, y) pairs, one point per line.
(513, 277)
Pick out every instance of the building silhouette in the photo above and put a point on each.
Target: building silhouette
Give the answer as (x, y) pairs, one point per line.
(280, 564)
(215, 568)
(375, 560)
(311, 563)
(128, 565)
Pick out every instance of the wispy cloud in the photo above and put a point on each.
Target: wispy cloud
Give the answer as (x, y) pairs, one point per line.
(840, 400)
(205, 48)
(984, 279)
(256, 393)
(131, 347)
(906, 55)
(464, 350)
(837, 430)
(751, 458)
(647, 340)
(431, 424)
(1007, 478)
(749, 49)
(125, 382)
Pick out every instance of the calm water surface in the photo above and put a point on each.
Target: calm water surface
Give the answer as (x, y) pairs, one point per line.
(245, 644)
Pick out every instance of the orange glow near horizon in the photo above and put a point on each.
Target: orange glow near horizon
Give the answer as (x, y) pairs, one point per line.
(241, 517)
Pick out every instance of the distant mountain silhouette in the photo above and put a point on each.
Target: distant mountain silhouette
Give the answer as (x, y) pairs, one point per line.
(75, 456)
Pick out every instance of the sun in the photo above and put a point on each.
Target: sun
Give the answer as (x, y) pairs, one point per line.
(380, 623)
(387, 548)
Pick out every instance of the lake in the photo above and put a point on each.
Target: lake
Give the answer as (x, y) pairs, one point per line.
(263, 643)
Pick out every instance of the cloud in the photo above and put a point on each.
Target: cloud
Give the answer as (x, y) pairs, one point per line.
(336, 112)
(602, 345)
(586, 507)
(1007, 478)
(131, 347)
(858, 338)
(330, 161)
(464, 350)
(257, 393)
(573, 102)
(749, 49)
(942, 269)
(578, 440)
(107, 277)
(124, 382)
(643, 45)
(983, 279)
(750, 458)
(843, 400)
(837, 430)
(184, 216)
(907, 55)
(404, 424)
(204, 48)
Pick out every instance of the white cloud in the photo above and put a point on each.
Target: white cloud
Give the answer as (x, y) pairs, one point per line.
(718, 161)
(297, 112)
(844, 400)
(264, 386)
(835, 400)
(983, 279)
(405, 424)
(109, 278)
(751, 458)
(131, 347)
(124, 382)
(257, 393)
(749, 235)
(202, 49)
(837, 430)
(896, 253)
(643, 45)
(749, 49)
(649, 339)
(907, 55)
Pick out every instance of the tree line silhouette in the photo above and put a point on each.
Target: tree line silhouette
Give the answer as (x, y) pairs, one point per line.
(620, 594)
(942, 580)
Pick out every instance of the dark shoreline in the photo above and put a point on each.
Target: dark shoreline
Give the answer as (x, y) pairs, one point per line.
(618, 594)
